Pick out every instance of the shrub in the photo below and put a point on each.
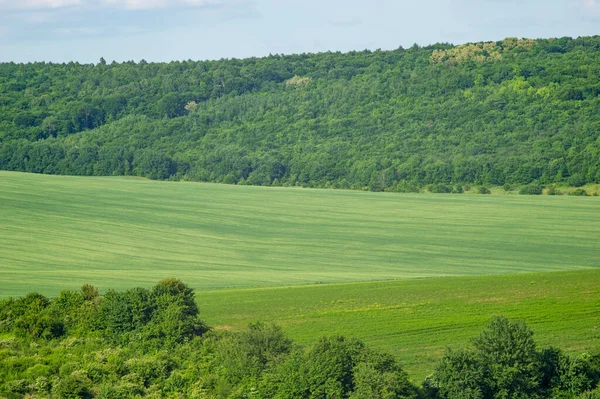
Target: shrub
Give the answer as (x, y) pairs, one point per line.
(531, 189)
(89, 292)
(406, 187)
(503, 364)
(482, 190)
(580, 192)
(576, 181)
(439, 188)
(459, 374)
(75, 386)
(18, 387)
(458, 189)
(595, 394)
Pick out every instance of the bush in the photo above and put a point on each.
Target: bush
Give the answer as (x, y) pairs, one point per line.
(482, 190)
(595, 394)
(459, 374)
(75, 386)
(406, 187)
(576, 181)
(18, 387)
(580, 192)
(531, 189)
(439, 188)
(503, 364)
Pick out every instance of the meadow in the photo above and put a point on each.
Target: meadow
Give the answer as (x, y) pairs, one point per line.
(408, 273)
(416, 320)
(59, 232)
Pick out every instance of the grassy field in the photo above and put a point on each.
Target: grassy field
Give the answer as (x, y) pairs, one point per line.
(59, 232)
(454, 259)
(417, 319)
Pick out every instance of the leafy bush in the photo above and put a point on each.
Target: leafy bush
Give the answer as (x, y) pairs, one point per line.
(576, 181)
(439, 188)
(595, 394)
(505, 363)
(75, 386)
(580, 192)
(531, 189)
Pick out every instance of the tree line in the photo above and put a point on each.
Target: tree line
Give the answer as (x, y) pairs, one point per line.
(150, 343)
(516, 112)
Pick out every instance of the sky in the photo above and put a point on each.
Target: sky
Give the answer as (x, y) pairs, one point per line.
(165, 30)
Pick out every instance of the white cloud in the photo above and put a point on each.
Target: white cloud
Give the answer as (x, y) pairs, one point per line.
(589, 8)
(126, 4)
(150, 4)
(37, 4)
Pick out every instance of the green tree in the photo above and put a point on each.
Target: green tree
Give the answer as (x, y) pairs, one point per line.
(509, 352)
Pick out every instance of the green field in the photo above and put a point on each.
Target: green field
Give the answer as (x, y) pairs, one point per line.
(456, 259)
(417, 319)
(59, 232)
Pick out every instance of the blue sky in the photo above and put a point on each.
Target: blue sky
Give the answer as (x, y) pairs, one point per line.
(164, 30)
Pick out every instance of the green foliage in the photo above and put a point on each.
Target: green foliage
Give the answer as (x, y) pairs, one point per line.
(75, 386)
(261, 361)
(460, 373)
(531, 189)
(163, 316)
(482, 190)
(595, 394)
(249, 353)
(516, 111)
(458, 189)
(580, 192)
(258, 361)
(576, 181)
(31, 318)
(552, 190)
(343, 368)
(439, 188)
(505, 363)
(571, 375)
(379, 376)
(508, 352)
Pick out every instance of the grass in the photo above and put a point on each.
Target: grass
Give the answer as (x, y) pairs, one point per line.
(417, 319)
(453, 260)
(59, 232)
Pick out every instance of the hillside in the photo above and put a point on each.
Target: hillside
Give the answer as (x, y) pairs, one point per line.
(416, 320)
(59, 232)
(152, 343)
(509, 112)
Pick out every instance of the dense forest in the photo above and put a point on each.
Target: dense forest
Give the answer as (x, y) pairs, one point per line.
(516, 112)
(151, 343)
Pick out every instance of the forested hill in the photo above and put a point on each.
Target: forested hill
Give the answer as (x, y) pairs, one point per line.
(513, 111)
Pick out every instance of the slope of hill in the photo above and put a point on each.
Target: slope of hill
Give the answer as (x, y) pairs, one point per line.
(417, 319)
(59, 232)
(513, 111)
